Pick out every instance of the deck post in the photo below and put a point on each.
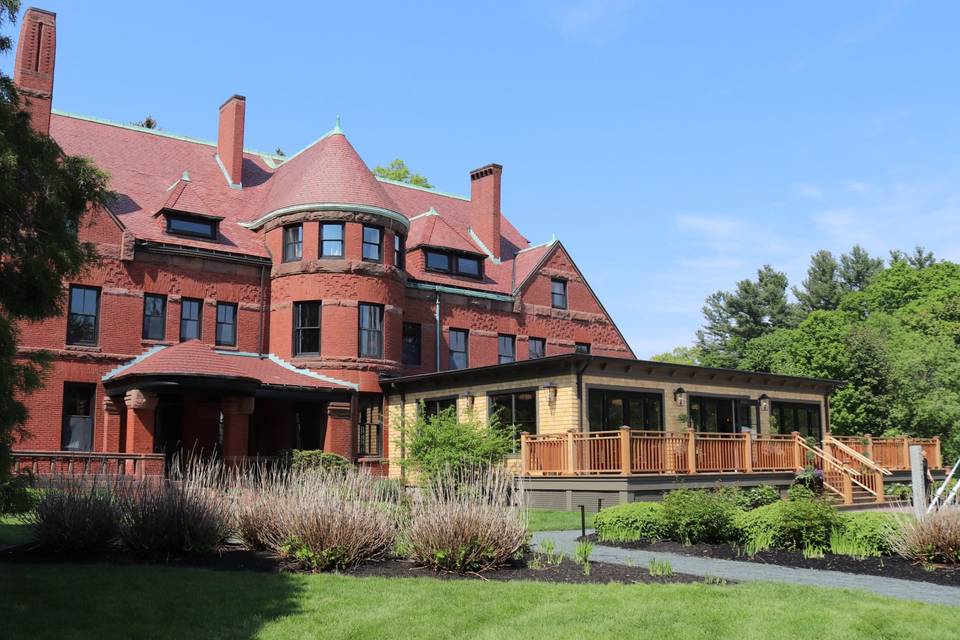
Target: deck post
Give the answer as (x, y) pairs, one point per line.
(937, 462)
(868, 448)
(878, 483)
(847, 487)
(747, 453)
(524, 453)
(906, 453)
(625, 468)
(797, 451)
(691, 451)
(571, 454)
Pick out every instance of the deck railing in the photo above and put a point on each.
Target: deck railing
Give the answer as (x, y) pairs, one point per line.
(893, 453)
(137, 465)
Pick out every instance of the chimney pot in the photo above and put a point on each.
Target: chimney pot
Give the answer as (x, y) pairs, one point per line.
(485, 206)
(230, 138)
(33, 68)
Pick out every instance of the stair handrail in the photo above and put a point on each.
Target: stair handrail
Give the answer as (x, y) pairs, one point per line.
(946, 481)
(856, 455)
(830, 461)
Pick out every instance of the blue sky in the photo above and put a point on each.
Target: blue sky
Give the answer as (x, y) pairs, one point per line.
(674, 147)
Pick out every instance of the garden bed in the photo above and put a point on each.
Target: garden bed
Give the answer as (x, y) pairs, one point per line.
(236, 558)
(885, 566)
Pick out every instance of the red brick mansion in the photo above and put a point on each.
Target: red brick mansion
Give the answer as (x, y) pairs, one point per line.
(247, 302)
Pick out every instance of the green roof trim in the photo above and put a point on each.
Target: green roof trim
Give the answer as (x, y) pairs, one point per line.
(419, 188)
(470, 293)
(156, 132)
(327, 206)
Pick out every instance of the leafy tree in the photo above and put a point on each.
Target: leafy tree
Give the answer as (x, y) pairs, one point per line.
(44, 195)
(921, 258)
(148, 123)
(442, 442)
(679, 355)
(397, 170)
(821, 289)
(857, 269)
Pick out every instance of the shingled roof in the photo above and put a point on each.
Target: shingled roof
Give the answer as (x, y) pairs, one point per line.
(143, 165)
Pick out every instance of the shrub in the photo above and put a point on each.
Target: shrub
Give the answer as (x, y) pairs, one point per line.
(810, 478)
(899, 491)
(441, 442)
(300, 459)
(467, 521)
(316, 520)
(932, 539)
(871, 531)
(16, 495)
(761, 496)
(75, 513)
(630, 522)
(691, 516)
(190, 512)
(800, 492)
(794, 525)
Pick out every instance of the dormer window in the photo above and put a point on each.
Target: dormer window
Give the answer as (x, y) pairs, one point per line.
(456, 264)
(194, 226)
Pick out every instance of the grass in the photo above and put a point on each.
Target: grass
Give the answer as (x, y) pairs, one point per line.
(101, 601)
(13, 531)
(550, 520)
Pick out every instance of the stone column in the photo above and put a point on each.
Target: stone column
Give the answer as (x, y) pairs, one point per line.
(338, 437)
(113, 410)
(141, 416)
(236, 426)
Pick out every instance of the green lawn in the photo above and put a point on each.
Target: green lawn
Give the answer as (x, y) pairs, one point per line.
(101, 601)
(13, 531)
(549, 520)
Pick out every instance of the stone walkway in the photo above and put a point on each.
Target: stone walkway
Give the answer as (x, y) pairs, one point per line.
(566, 541)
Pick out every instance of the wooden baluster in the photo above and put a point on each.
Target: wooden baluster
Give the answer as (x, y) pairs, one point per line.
(691, 452)
(625, 467)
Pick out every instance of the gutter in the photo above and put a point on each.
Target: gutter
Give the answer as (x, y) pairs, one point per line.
(196, 252)
(470, 293)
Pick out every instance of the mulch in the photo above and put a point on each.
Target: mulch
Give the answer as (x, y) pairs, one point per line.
(885, 566)
(236, 558)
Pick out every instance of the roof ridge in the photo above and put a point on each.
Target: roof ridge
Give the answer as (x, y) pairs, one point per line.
(157, 132)
(419, 188)
(553, 239)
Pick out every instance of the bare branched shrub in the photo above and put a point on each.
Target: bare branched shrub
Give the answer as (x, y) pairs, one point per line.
(932, 539)
(316, 519)
(75, 512)
(189, 512)
(469, 520)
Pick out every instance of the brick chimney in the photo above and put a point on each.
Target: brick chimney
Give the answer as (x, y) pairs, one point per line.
(33, 68)
(485, 206)
(230, 138)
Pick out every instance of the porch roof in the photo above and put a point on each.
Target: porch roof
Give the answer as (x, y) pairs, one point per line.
(194, 359)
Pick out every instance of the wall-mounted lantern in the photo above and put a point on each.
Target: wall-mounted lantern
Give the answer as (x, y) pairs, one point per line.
(551, 389)
(764, 402)
(468, 396)
(680, 396)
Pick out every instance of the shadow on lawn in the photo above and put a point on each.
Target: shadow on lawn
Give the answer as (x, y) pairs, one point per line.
(146, 601)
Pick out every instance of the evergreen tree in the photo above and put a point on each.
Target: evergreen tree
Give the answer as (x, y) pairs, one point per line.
(857, 269)
(821, 289)
(921, 258)
(44, 194)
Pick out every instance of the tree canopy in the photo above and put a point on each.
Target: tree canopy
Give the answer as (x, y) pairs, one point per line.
(397, 170)
(891, 333)
(44, 195)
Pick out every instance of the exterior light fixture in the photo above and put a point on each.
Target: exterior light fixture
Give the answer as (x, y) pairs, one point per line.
(680, 396)
(764, 402)
(468, 396)
(551, 389)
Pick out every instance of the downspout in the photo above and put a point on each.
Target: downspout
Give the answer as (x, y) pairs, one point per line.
(437, 318)
(263, 310)
(403, 436)
(580, 395)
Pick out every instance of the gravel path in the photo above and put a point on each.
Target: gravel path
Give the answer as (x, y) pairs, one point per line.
(566, 541)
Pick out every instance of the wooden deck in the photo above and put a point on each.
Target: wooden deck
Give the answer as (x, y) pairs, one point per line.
(853, 468)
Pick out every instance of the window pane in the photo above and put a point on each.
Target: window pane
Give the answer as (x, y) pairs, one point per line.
(398, 251)
(558, 291)
(537, 348)
(371, 331)
(371, 243)
(411, 343)
(306, 328)
(154, 317)
(189, 319)
(438, 261)
(468, 266)
(595, 411)
(226, 324)
(458, 349)
(191, 226)
(82, 321)
(582, 347)
(331, 245)
(292, 242)
(77, 426)
(505, 349)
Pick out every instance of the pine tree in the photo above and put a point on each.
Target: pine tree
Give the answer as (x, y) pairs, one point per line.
(857, 269)
(921, 258)
(821, 289)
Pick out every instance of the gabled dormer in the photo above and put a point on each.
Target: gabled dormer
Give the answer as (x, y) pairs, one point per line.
(186, 214)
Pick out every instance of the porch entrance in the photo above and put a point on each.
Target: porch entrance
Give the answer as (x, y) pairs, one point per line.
(712, 414)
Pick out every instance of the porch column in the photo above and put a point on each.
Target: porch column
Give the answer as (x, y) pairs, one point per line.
(113, 410)
(236, 426)
(338, 438)
(141, 415)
